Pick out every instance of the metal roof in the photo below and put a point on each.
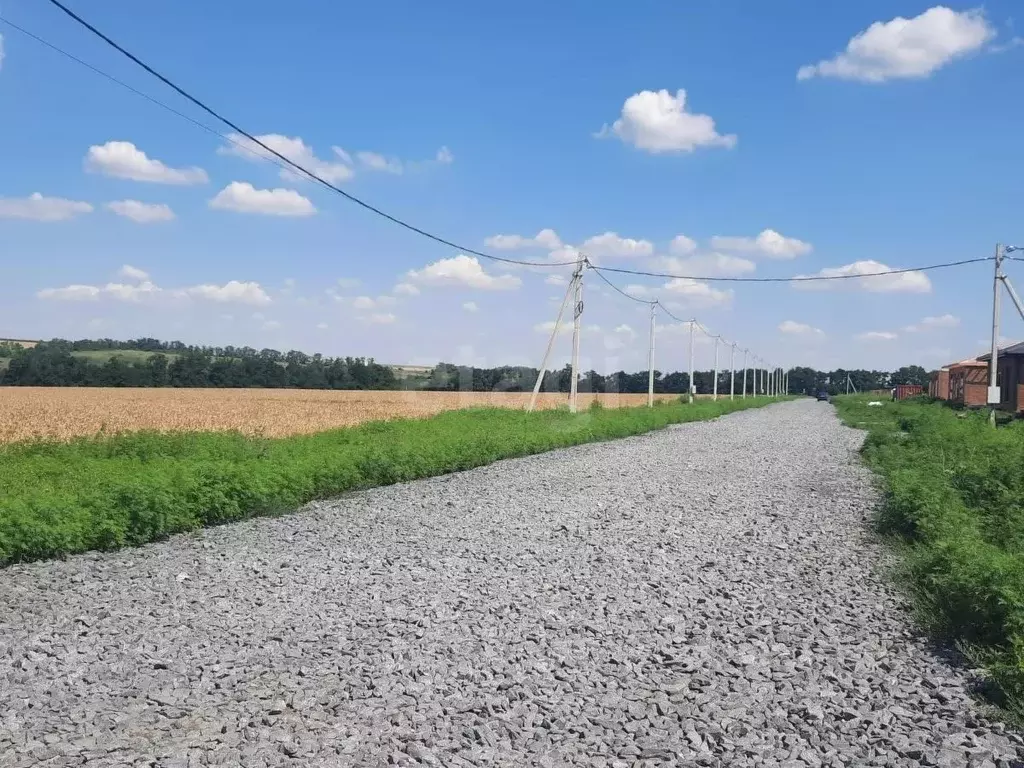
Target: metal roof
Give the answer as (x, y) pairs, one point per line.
(1012, 350)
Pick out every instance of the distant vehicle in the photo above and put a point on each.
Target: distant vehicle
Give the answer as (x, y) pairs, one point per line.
(822, 395)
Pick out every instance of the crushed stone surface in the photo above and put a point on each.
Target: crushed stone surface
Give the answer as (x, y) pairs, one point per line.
(706, 595)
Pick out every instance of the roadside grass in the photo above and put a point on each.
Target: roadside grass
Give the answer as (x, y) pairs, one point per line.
(954, 508)
(106, 492)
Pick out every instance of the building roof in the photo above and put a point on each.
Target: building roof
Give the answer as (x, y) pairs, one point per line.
(970, 362)
(1013, 350)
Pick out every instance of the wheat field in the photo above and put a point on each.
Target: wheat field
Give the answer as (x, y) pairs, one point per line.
(65, 412)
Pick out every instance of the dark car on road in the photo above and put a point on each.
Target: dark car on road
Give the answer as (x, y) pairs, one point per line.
(822, 395)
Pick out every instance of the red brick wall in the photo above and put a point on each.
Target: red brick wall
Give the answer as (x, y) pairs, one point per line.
(975, 394)
(940, 385)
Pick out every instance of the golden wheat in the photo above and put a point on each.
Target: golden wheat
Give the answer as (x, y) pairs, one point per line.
(65, 412)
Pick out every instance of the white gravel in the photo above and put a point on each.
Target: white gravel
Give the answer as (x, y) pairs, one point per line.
(707, 595)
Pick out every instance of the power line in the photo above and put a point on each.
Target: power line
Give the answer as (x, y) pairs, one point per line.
(617, 289)
(298, 167)
(794, 279)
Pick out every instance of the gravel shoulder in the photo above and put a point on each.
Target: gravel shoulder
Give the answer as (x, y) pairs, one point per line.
(705, 595)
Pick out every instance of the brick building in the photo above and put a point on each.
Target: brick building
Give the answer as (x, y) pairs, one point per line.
(1009, 377)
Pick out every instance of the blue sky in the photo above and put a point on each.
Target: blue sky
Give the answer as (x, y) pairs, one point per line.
(898, 144)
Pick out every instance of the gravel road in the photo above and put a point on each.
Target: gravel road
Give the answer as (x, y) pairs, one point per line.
(707, 595)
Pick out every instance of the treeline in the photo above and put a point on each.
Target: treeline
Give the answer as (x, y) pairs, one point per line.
(154, 363)
(52, 364)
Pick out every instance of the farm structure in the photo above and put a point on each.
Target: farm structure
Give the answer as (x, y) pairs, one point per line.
(964, 382)
(1009, 377)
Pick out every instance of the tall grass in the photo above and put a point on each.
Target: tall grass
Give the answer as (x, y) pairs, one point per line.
(954, 495)
(123, 490)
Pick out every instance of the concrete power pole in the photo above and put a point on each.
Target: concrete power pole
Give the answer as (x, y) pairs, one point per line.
(650, 360)
(692, 388)
(993, 365)
(732, 373)
(577, 311)
(714, 387)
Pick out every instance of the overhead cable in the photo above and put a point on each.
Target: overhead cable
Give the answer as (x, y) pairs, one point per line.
(793, 279)
(294, 165)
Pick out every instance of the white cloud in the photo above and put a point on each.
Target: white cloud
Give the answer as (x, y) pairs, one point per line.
(549, 326)
(556, 280)
(906, 48)
(271, 325)
(463, 271)
(697, 294)
(380, 318)
(377, 162)
(876, 336)
(134, 292)
(406, 289)
(242, 197)
(610, 245)
(799, 329)
(35, 207)
(123, 160)
(444, 156)
(930, 323)
(625, 330)
(142, 213)
(903, 282)
(366, 302)
(128, 272)
(233, 291)
(640, 291)
(321, 326)
(70, 293)
(657, 121)
(768, 243)
(470, 306)
(546, 238)
(296, 150)
(682, 245)
(708, 265)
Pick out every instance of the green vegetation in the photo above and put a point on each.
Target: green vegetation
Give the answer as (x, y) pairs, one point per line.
(108, 492)
(954, 505)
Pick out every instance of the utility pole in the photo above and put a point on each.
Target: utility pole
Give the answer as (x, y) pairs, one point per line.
(714, 387)
(732, 373)
(551, 343)
(745, 351)
(692, 388)
(650, 361)
(993, 365)
(577, 311)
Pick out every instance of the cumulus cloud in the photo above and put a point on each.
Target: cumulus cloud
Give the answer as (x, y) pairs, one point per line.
(406, 289)
(141, 213)
(123, 160)
(234, 291)
(444, 156)
(708, 265)
(682, 245)
(35, 207)
(799, 329)
(881, 282)
(556, 280)
(768, 243)
(697, 294)
(930, 323)
(128, 272)
(296, 150)
(377, 162)
(470, 306)
(242, 197)
(464, 271)
(546, 238)
(906, 48)
(877, 336)
(70, 293)
(657, 121)
(610, 245)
